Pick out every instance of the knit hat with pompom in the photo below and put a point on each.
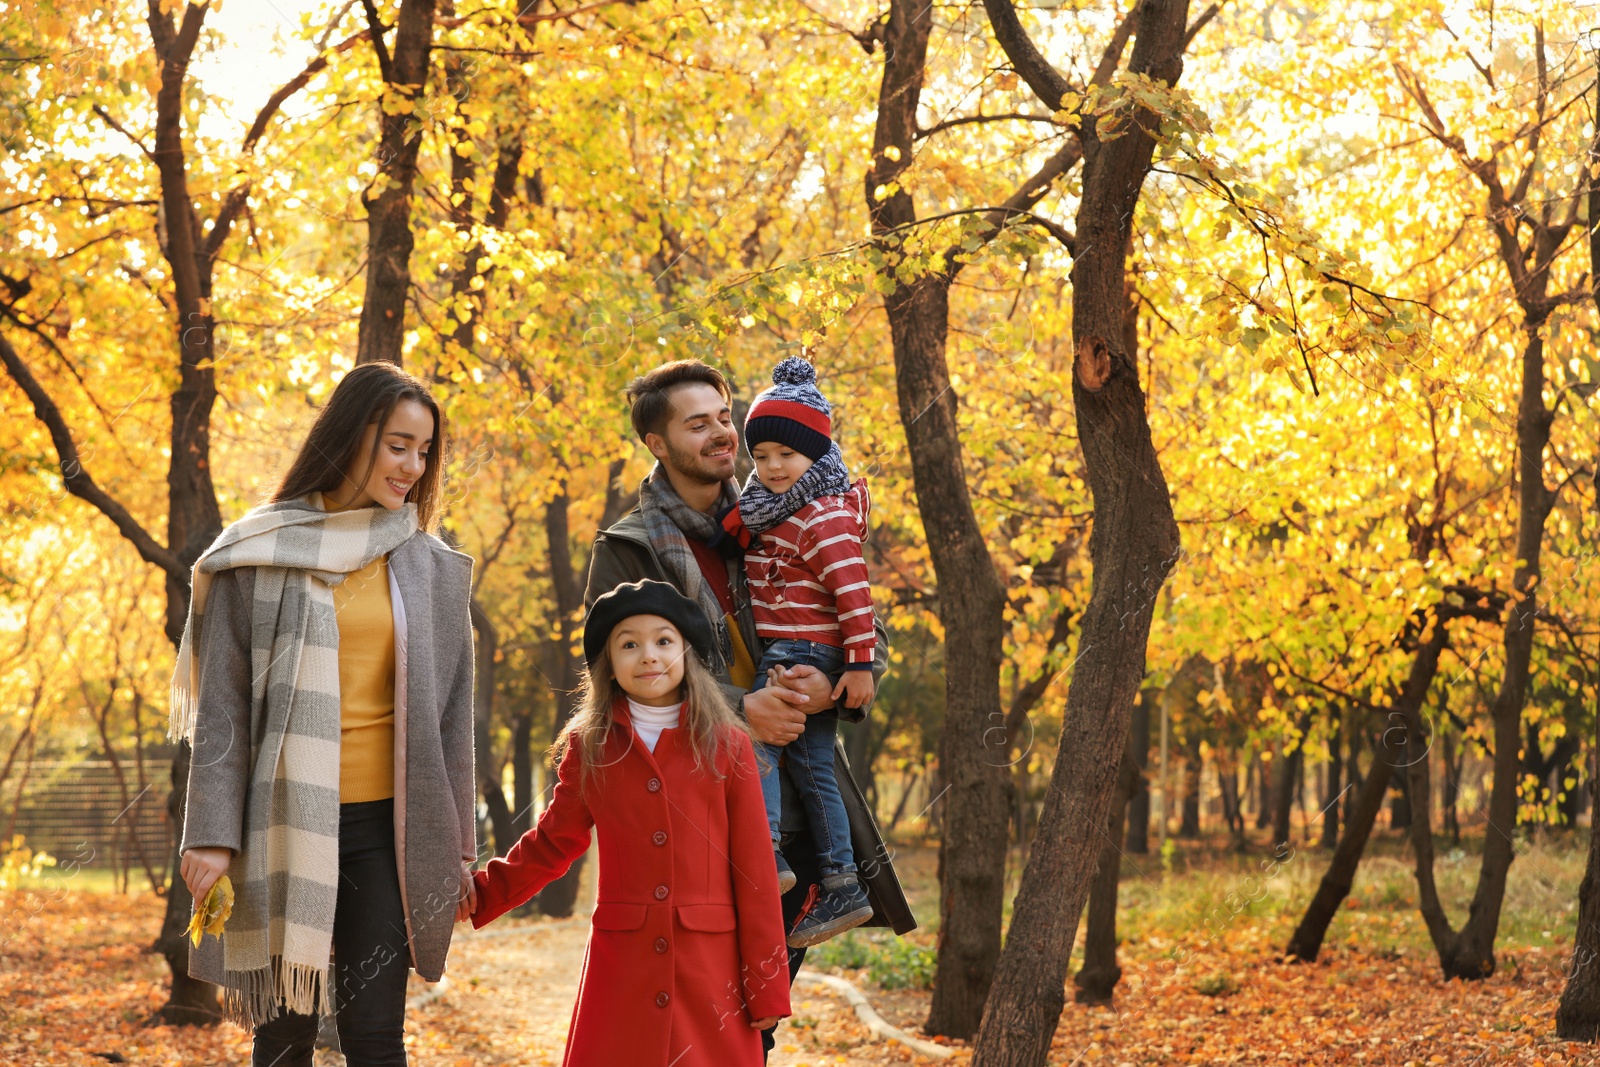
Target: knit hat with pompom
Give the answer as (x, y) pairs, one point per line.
(793, 412)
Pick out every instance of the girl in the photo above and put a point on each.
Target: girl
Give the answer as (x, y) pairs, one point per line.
(325, 683)
(686, 961)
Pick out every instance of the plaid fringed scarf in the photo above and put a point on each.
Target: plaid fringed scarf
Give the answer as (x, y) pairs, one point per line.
(669, 521)
(277, 944)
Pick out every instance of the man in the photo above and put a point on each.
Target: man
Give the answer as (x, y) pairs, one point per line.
(681, 412)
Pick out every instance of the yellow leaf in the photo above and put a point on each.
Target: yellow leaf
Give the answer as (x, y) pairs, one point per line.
(209, 917)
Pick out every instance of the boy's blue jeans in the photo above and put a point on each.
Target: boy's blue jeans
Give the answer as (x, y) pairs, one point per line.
(809, 759)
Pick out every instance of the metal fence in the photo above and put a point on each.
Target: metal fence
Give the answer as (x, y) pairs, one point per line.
(77, 810)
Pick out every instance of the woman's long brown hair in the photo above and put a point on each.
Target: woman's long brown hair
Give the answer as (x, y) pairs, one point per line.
(709, 719)
(367, 395)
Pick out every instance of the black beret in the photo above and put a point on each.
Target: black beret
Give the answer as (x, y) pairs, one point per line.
(646, 598)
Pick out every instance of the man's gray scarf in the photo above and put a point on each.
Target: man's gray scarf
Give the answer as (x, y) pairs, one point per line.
(669, 522)
(277, 943)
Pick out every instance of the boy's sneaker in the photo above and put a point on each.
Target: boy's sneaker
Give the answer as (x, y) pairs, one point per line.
(839, 906)
(786, 877)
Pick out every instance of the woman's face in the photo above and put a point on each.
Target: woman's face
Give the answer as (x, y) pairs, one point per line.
(647, 656)
(402, 455)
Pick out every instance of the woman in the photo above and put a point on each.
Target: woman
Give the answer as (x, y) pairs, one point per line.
(325, 682)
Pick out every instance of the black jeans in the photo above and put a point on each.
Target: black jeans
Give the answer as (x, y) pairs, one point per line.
(371, 959)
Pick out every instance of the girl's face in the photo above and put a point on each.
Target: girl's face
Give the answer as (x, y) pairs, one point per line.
(402, 457)
(778, 465)
(647, 656)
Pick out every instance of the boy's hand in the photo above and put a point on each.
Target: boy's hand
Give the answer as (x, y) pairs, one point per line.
(857, 688)
(762, 1024)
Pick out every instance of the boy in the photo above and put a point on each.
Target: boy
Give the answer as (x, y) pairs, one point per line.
(801, 523)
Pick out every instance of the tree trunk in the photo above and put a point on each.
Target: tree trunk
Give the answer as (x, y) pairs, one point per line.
(193, 516)
(1452, 787)
(1286, 773)
(1134, 546)
(1097, 979)
(1189, 827)
(494, 797)
(1331, 788)
(1232, 812)
(389, 237)
(559, 897)
(1578, 1016)
(1261, 769)
(1388, 752)
(1528, 261)
(1139, 805)
(976, 806)
(1469, 953)
(1400, 805)
(1352, 773)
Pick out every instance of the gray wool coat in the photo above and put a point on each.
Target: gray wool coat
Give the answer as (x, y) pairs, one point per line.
(435, 788)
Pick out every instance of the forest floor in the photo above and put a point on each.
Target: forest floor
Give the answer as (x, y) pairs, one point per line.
(1202, 984)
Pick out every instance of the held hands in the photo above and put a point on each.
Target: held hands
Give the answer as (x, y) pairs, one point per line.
(857, 688)
(469, 893)
(201, 867)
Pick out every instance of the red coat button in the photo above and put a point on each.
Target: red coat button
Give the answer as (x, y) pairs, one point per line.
(659, 837)
(661, 944)
(661, 892)
(661, 1000)
(654, 785)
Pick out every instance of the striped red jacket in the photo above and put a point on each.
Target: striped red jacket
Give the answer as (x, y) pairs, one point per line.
(808, 580)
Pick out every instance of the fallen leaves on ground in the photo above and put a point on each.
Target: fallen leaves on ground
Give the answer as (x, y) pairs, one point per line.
(77, 984)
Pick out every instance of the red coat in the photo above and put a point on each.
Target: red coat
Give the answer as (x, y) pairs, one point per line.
(686, 944)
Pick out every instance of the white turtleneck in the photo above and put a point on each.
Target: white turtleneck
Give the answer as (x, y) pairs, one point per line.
(648, 722)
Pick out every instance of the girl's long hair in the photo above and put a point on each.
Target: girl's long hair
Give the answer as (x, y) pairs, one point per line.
(366, 395)
(709, 719)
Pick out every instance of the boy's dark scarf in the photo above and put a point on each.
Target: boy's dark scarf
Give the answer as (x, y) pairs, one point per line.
(669, 522)
(760, 509)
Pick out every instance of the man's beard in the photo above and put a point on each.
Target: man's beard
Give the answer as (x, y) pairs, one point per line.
(696, 466)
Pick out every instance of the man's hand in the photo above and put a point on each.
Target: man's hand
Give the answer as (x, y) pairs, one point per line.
(808, 680)
(775, 714)
(469, 893)
(201, 867)
(856, 687)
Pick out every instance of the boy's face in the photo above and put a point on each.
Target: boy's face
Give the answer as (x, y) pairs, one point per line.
(778, 466)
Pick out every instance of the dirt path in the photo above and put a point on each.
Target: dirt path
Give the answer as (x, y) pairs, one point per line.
(512, 987)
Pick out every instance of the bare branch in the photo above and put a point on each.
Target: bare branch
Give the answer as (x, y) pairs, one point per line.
(115, 125)
(1047, 83)
(1199, 24)
(1109, 59)
(966, 119)
(375, 28)
(294, 85)
(76, 478)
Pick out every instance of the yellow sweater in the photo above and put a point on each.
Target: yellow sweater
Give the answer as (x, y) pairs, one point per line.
(366, 684)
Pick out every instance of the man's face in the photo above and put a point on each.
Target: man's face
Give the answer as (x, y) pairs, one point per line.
(698, 440)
